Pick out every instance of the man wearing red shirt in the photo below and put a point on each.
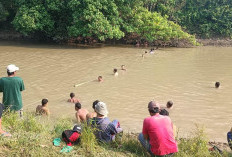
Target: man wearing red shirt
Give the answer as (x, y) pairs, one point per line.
(157, 136)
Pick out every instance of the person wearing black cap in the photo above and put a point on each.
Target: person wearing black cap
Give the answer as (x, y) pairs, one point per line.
(157, 135)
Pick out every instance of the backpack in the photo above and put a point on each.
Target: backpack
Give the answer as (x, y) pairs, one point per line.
(72, 136)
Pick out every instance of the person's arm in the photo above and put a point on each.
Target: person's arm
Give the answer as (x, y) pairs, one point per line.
(46, 110)
(88, 116)
(174, 130)
(145, 131)
(146, 136)
(22, 86)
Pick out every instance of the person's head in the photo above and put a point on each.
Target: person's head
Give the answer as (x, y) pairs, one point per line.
(78, 106)
(101, 109)
(95, 103)
(72, 95)
(115, 70)
(44, 102)
(11, 69)
(153, 107)
(217, 84)
(169, 104)
(123, 67)
(145, 51)
(100, 79)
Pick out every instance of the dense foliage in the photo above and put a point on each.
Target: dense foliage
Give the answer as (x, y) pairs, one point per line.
(207, 18)
(100, 20)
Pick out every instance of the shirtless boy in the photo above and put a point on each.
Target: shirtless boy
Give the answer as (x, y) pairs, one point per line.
(93, 114)
(73, 99)
(43, 109)
(81, 113)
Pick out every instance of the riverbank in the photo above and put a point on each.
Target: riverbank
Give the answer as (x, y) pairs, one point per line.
(215, 42)
(15, 36)
(33, 136)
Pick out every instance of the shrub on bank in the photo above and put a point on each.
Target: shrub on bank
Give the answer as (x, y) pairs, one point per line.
(33, 136)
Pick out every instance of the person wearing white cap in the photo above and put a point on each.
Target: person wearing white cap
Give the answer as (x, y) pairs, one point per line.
(106, 130)
(157, 135)
(11, 87)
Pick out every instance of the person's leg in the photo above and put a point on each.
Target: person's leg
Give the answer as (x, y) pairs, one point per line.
(20, 112)
(2, 133)
(117, 125)
(145, 143)
(117, 130)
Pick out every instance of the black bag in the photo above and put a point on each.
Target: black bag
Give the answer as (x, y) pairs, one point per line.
(72, 136)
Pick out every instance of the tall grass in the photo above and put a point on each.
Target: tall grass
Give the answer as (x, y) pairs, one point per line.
(32, 136)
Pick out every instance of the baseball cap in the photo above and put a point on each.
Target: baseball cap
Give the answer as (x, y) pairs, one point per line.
(101, 108)
(152, 105)
(12, 68)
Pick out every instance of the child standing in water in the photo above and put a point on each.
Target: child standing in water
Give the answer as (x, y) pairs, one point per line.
(43, 109)
(73, 99)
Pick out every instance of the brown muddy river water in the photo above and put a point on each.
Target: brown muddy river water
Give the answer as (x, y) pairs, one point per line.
(184, 75)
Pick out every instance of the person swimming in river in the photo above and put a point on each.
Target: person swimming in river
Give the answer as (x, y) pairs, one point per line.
(217, 84)
(152, 51)
(143, 55)
(73, 99)
(165, 111)
(100, 79)
(43, 109)
(115, 72)
(123, 67)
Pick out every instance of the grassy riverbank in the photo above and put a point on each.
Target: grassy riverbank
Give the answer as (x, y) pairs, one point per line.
(33, 136)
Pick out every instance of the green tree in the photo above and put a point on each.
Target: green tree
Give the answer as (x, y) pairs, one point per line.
(3, 13)
(95, 18)
(207, 18)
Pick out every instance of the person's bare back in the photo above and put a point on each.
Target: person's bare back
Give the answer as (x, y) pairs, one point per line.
(81, 115)
(43, 109)
(72, 98)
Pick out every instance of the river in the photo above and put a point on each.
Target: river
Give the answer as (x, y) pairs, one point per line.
(184, 75)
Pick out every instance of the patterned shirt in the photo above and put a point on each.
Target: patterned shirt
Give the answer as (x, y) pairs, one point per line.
(105, 129)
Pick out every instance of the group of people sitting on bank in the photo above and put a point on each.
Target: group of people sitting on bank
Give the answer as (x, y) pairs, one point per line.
(157, 135)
